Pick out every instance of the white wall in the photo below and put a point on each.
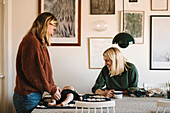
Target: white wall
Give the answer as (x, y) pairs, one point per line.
(70, 64)
(23, 14)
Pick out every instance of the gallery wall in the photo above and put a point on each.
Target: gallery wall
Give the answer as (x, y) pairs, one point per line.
(71, 63)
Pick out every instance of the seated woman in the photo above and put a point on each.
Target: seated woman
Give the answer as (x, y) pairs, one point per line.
(117, 74)
(68, 94)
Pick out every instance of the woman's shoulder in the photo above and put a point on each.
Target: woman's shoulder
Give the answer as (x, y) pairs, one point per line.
(30, 40)
(105, 68)
(30, 43)
(131, 65)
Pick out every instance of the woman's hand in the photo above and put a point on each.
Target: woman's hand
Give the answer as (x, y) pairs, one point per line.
(106, 93)
(57, 94)
(109, 93)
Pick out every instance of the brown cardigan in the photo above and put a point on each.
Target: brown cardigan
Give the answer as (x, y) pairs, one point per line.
(34, 72)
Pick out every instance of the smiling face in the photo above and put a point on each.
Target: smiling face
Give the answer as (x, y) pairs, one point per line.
(108, 62)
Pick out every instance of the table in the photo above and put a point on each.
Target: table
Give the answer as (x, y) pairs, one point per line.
(124, 105)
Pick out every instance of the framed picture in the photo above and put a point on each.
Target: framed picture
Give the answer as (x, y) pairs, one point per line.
(134, 25)
(159, 5)
(133, 0)
(68, 14)
(97, 45)
(159, 42)
(100, 7)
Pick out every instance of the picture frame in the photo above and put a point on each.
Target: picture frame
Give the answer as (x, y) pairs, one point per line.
(68, 31)
(159, 5)
(159, 42)
(133, 24)
(97, 45)
(133, 1)
(102, 7)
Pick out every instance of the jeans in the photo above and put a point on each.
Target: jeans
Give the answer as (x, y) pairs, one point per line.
(25, 104)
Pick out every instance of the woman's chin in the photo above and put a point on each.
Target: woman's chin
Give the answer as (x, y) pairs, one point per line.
(108, 67)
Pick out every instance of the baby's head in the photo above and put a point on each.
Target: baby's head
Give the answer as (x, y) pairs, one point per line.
(69, 87)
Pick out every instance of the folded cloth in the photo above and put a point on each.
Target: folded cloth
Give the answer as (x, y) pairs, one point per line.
(155, 92)
(136, 91)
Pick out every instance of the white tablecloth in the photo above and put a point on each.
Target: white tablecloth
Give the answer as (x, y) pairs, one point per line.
(124, 105)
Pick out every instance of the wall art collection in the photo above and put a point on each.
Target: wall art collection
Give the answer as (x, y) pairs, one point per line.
(68, 32)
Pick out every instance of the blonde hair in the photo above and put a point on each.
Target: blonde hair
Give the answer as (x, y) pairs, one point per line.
(119, 62)
(40, 25)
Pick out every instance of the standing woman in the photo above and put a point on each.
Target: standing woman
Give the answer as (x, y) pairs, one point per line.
(33, 67)
(117, 74)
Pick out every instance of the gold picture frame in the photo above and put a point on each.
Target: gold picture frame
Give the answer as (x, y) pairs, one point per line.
(96, 46)
(159, 5)
(133, 24)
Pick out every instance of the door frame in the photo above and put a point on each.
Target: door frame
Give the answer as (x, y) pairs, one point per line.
(7, 89)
